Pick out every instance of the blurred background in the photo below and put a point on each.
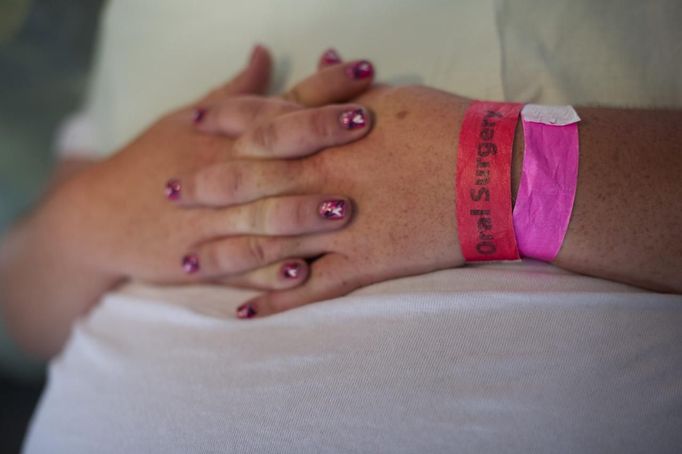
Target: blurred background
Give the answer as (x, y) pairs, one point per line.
(45, 52)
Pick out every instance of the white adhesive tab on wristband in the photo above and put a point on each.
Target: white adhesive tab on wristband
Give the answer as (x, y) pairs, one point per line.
(550, 115)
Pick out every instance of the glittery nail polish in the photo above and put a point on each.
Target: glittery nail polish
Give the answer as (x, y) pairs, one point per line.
(330, 57)
(333, 210)
(246, 310)
(353, 119)
(190, 263)
(360, 70)
(173, 189)
(291, 270)
(198, 115)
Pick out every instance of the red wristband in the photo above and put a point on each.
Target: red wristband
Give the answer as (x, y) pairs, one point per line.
(483, 182)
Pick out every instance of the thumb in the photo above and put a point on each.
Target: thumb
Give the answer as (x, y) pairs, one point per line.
(253, 79)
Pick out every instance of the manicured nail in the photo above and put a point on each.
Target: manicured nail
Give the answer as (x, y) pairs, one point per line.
(246, 310)
(353, 119)
(198, 115)
(292, 270)
(330, 57)
(190, 263)
(173, 189)
(360, 70)
(333, 210)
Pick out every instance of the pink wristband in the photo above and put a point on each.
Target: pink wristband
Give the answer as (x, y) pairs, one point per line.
(548, 180)
(483, 182)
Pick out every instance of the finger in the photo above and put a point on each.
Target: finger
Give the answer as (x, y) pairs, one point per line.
(331, 276)
(304, 132)
(254, 79)
(330, 57)
(236, 182)
(233, 116)
(336, 83)
(290, 215)
(226, 257)
(282, 275)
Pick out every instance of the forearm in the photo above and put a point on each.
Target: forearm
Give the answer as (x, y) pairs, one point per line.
(627, 218)
(46, 281)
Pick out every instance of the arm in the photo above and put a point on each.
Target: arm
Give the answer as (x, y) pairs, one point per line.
(45, 282)
(627, 217)
(625, 226)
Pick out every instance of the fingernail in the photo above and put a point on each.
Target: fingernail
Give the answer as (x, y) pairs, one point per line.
(190, 263)
(353, 119)
(333, 210)
(291, 270)
(246, 310)
(173, 189)
(360, 70)
(198, 115)
(330, 57)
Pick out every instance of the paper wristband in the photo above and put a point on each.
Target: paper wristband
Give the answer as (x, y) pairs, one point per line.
(483, 182)
(548, 180)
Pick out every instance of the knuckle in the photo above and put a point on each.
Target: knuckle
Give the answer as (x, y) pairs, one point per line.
(234, 183)
(250, 107)
(214, 259)
(265, 136)
(319, 125)
(218, 185)
(300, 214)
(256, 250)
(203, 187)
(262, 218)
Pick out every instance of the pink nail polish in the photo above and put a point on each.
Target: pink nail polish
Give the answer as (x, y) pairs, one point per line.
(333, 210)
(292, 270)
(360, 70)
(198, 115)
(246, 310)
(330, 57)
(190, 263)
(353, 119)
(173, 189)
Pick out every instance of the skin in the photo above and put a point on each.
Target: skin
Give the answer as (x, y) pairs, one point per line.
(400, 179)
(625, 225)
(106, 222)
(627, 218)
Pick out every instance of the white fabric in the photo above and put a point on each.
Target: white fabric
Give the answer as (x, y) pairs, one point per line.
(515, 358)
(492, 358)
(75, 137)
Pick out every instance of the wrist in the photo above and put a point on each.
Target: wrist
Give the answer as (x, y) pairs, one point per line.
(72, 224)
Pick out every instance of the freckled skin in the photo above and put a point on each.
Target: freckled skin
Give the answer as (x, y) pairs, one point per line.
(626, 223)
(403, 186)
(627, 218)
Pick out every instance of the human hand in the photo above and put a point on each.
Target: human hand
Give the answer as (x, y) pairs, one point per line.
(400, 179)
(127, 230)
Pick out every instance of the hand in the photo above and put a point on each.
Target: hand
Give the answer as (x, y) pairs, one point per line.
(401, 181)
(129, 231)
